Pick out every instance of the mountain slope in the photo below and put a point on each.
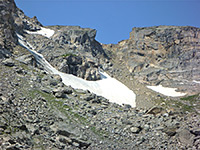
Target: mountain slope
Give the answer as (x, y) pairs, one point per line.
(37, 111)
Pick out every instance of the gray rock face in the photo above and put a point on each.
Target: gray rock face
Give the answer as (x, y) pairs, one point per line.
(80, 67)
(72, 50)
(7, 32)
(74, 34)
(23, 22)
(12, 20)
(162, 54)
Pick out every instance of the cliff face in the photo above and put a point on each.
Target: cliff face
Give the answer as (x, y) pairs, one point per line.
(71, 49)
(166, 55)
(13, 20)
(7, 31)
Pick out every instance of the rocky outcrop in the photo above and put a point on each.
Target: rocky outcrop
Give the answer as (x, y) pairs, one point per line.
(13, 20)
(72, 50)
(82, 51)
(78, 66)
(77, 36)
(7, 31)
(166, 55)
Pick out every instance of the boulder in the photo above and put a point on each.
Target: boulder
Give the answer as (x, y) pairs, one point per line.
(27, 59)
(186, 137)
(9, 62)
(135, 129)
(61, 92)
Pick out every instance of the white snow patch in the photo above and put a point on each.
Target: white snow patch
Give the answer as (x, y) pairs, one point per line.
(166, 91)
(107, 87)
(44, 32)
(196, 81)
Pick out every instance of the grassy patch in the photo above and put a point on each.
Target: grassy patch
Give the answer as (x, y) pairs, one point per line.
(187, 108)
(69, 54)
(59, 105)
(100, 133)
(184, 107)
(185, 104)
(189, 98)
(80, 118)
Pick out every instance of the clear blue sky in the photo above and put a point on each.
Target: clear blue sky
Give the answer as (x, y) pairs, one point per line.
(113, 19)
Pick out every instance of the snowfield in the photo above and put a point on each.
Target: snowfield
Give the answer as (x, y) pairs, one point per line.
(44, 32)
(196, 81)
(166, 91)
(107, 87)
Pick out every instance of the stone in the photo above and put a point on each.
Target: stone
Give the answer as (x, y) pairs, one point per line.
(88, 97)
(196, 131)
(97, 100)
(146, 127)
(4, 53)
(60, 92)
(186, 137)
(170, 131)
(135, 130)
(75, 144)
(12, 147)
(155, 110)
(9, 62)
(126, 106)
(68, 90)
(23, 127)
(27, 59)
(46, 90)
(1, 131)
(81, 143)
(57, 78)
(65, 140)
(93, 112)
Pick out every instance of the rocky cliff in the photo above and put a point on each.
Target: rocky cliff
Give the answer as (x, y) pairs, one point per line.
(166, 55)
(7, 34)
(71, 49)
(37, 111)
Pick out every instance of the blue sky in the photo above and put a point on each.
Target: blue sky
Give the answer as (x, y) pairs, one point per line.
(113, 19)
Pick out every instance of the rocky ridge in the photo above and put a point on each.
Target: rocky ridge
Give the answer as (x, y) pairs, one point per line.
(166, 55)
(71, 50)
(37, 111)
